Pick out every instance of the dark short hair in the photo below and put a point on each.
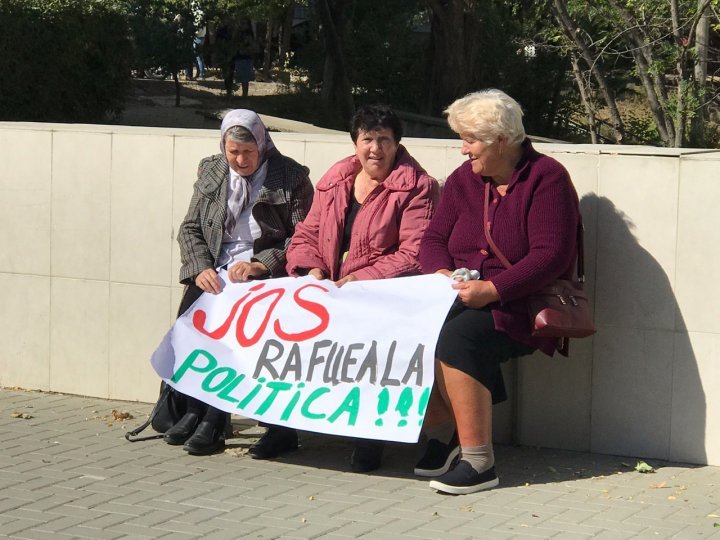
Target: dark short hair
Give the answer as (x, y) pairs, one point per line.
(372, 117)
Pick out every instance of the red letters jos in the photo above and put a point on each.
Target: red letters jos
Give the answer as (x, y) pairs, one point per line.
(200, 317)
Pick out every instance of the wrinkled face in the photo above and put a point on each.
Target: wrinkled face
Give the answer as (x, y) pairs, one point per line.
(242, 157)
(376, 151)
(484, 157)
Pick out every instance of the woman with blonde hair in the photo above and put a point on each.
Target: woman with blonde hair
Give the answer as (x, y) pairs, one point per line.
(532, 216)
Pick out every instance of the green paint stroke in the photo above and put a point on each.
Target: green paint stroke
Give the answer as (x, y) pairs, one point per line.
(422, 404)
(189, 363)
(350, 405)
(404, 404)
(383, 405)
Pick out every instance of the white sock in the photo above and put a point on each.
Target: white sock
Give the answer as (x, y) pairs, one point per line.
(481, 458)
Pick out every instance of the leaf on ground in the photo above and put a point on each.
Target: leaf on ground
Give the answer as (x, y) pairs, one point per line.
(712, 515)
(658, 486)
(23, 415)
(643, 467)
(121, 415)
(716, 524)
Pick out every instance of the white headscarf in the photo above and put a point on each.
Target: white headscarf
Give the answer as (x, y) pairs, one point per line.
(241, 188)
(250, 121)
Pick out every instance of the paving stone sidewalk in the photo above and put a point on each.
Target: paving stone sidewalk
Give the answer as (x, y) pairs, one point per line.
(66, 471)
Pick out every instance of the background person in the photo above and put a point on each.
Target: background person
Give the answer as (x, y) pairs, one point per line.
(368, 215)
(244, 209)
(534, 216)
(198, 42)
(247, 49)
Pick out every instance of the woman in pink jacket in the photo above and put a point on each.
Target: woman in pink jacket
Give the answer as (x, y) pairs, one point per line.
(368, 215)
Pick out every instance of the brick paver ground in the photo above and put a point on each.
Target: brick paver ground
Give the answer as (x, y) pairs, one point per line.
(67, 472)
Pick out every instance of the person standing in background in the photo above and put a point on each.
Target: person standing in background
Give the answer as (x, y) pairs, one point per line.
(198, 42)
(245, 57)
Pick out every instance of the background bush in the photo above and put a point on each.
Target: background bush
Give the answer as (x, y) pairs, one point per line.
(63, 60)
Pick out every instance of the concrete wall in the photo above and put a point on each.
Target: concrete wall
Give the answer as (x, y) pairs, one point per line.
(89, 264)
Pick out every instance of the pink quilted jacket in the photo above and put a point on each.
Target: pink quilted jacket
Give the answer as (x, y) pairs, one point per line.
(387, 230)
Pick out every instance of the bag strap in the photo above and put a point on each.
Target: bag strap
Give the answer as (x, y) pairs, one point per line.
(486, 228)
(499, 254)
(164, 395)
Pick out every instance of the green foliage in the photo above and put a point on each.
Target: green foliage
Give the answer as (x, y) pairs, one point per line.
(385, 49)
(162, 33)
(640, 128)
(254, 9)
(62, 60)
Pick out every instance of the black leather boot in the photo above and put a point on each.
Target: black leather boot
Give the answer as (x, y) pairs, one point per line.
(209, 436)
(182, 431)
(186, 426)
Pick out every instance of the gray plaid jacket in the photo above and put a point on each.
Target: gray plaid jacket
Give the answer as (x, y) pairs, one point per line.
(283, 201)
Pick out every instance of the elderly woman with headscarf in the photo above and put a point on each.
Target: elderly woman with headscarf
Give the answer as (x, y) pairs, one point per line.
(532, 216)
(245, 205)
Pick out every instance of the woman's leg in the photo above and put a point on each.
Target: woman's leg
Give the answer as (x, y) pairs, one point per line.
(437, 415)
(470, 403)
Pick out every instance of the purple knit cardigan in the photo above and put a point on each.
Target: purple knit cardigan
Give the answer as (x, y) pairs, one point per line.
(534, 225)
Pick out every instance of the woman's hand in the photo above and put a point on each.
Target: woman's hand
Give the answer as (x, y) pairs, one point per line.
(444, 272)
(317, 273)
(243, 271)
(476, 293)
(208, 281)
(340, 282)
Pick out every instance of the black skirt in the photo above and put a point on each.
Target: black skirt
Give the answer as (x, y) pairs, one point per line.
(469, 342)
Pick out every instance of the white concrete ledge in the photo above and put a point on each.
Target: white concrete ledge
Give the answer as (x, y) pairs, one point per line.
(89, 265)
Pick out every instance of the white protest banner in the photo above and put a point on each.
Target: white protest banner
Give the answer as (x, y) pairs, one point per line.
(358, 360)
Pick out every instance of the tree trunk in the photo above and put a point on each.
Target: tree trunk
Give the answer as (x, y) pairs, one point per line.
(454, 49)
(177, 88)
(559, 8)
(267, 57)
(697, 130)
(654, 84)
(286, 35)
(680, 112)
(585, 98)
(336, 89)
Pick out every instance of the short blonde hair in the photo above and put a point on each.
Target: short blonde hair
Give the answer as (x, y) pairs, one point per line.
(487, 114)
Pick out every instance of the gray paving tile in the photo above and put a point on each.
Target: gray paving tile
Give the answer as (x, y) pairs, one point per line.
(67, 465)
